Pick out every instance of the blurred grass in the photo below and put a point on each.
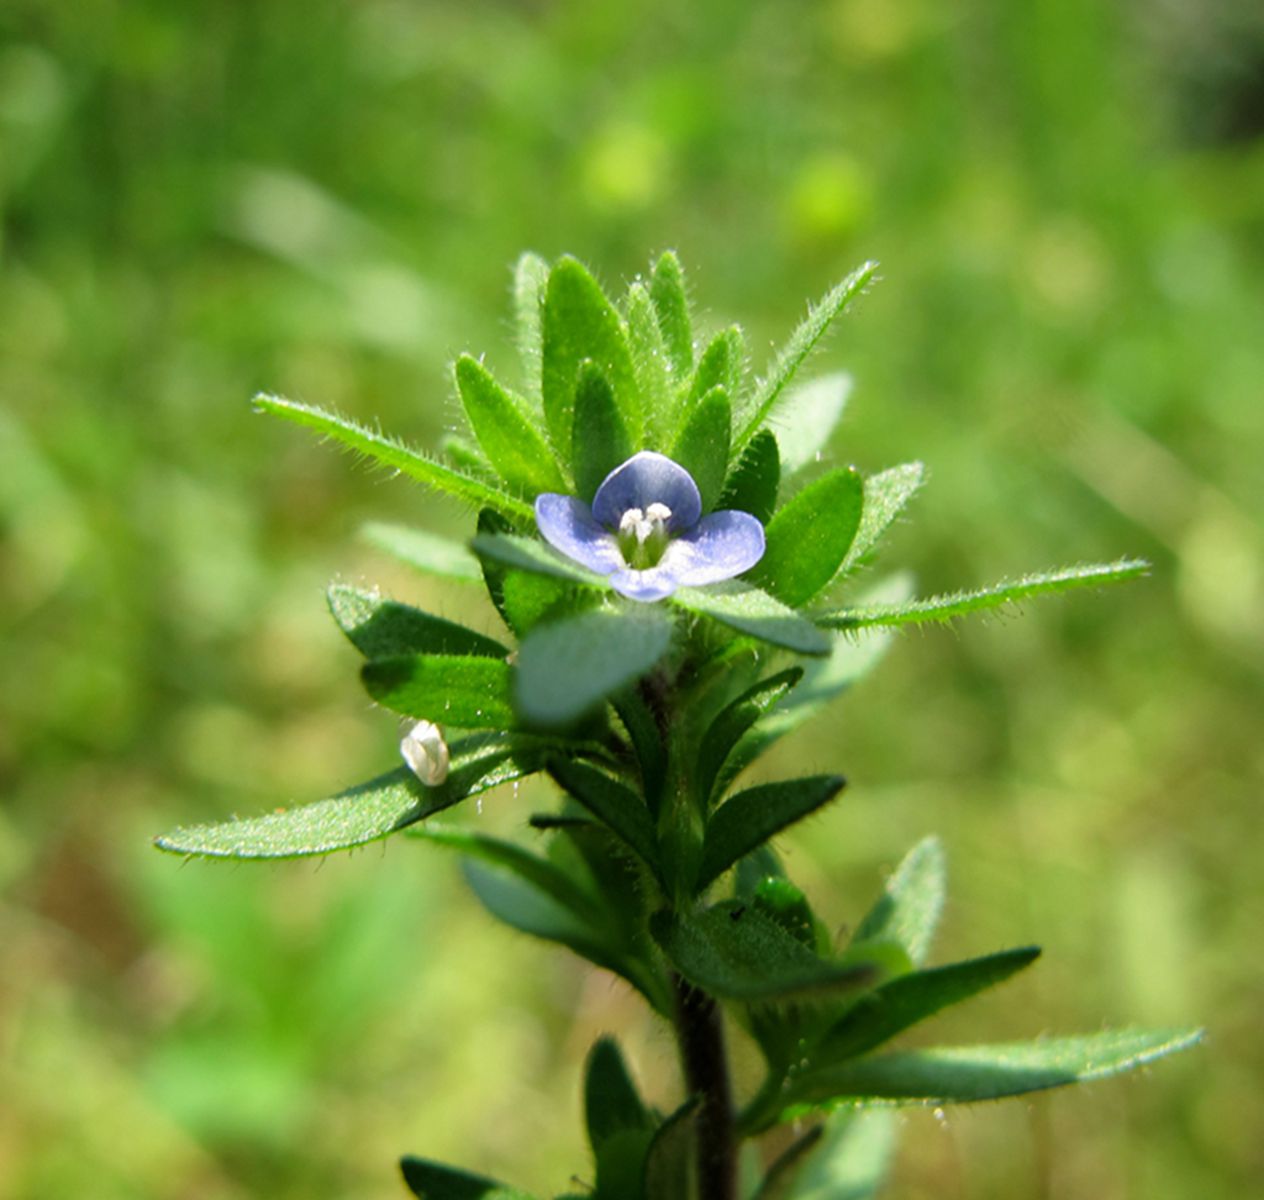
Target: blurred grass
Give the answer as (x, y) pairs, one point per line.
(202, 200)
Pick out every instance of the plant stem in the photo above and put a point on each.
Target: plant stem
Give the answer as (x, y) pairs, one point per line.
(701, 1035)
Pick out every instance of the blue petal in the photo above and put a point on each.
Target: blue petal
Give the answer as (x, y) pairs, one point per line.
(648, 478)
(568, 526)
(720, 546)
(654, 584)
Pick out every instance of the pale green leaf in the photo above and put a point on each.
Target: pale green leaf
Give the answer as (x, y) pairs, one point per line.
(912, 900)
(754, 612)
(531, 277)
(886, 495)
(425, 551)
(807, 417)
(527, 554)
(650, 361)
(671, 303)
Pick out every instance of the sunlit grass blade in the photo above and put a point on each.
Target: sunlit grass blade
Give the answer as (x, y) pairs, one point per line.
(770, 390)
(361, 814)
(425, 551)
(394, 454)
(960, 604)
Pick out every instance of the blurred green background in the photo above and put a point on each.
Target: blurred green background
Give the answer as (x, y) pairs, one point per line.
(203, 199)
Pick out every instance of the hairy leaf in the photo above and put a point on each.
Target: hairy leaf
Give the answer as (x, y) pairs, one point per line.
(611, 1101)
(468, 691)
(600, 440)
(702, 445)
(650, 361)
(425, 551)
(531, 276)
(807, 417)
(886, 495)
(752, 484)
(752, 611)
(382, 628)
(912, 900)
(528, 554)
(671, 304)
(616, 806)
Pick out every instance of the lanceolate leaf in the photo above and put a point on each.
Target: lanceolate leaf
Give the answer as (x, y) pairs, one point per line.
(617, 807)
(382, 628)
(752, 483)
(721, 364)
(611, 1102)
(807, 417)
(467, 691)
(959, 604)
(809, 538)
(732, 722)
(528, 554)
(886, 495)
(752, 817)
(531, 276)
(650, 361)
(967, 1074)
(904, 1001)
(580, 323)
(391, 453)
(734, 951)
(754, 612)
(600, 441)
(671, 303)
(702, 446)
(802, 342)
(670, 1161)
(568, 667)
(852, 1159)
(908, 910)
(507, 435)
(361, 814)
(425, 551)
(433, 1181)
(647, 741)
(778, 1184)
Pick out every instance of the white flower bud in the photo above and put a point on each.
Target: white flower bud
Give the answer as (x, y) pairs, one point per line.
(425, 752)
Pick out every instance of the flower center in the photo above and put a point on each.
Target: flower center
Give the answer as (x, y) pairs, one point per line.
(643, 535)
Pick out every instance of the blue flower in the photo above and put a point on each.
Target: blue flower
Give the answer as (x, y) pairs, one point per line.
(646, 531)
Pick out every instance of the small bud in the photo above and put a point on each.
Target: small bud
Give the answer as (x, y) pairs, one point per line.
(425, 752)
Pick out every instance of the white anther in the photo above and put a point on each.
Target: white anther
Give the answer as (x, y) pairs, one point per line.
(425, 752)
(631, 521)
(658, 514)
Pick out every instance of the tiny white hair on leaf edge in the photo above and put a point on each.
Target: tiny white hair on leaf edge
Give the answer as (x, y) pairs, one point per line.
(425, 752)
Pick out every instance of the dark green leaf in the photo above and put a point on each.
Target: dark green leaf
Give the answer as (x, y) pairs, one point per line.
(391, 453)
(783, 902)
(506, 433)
(647, 741)
(565, 668)
(433, 1181)
(754, 612)
(809, 538)
(958, 604)
(361, 814)
(671, 303)
(580, 323)
(966, 1074)
(727, 729)
(617, 807)
(425, 551)
(752, 484)
(886, 495)
(752, 817)
(381, 628)
(670, 1170)
(611, 1102)
(778, 1184)
(467, 691)
(702, 446)
(734, 951)
(902, 1002)
(531, 276)
(802, 342)
(908, 910)
(806, 419)
(600, 441)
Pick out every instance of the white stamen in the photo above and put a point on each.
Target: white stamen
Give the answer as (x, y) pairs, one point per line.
(425, 752)
(644, 523)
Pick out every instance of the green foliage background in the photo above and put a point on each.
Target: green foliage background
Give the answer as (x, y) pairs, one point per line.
(203, 200)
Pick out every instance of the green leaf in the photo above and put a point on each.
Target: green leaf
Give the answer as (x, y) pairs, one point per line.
(617, 807)
(967, 1074)
(727, 729)
(908, 999)
(752, 817)
(702, 446)
(802, 342)
(886, 495)
(425, 551)
(566, 668)
(912, 900)
(671, 303)
(736, 952)
(807, 418)
(785, 903)
(467, 456)
(752, 484)
(600, 440)
(647, 741)
(670, 1169)
(361, 814)
(721, 365)
(394, 454)
(852, 1159)
(751, 611)
(433, 1181)
(650, 361)
(958, 604)
(382, 628)
(778, 1184)
(580, 323)
(527, 554)
(468, 691)
(809, 538)
(507, 435)
(531, 276)
(611, 1102)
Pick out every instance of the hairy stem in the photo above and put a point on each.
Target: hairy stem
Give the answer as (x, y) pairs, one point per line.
(701, 1035)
